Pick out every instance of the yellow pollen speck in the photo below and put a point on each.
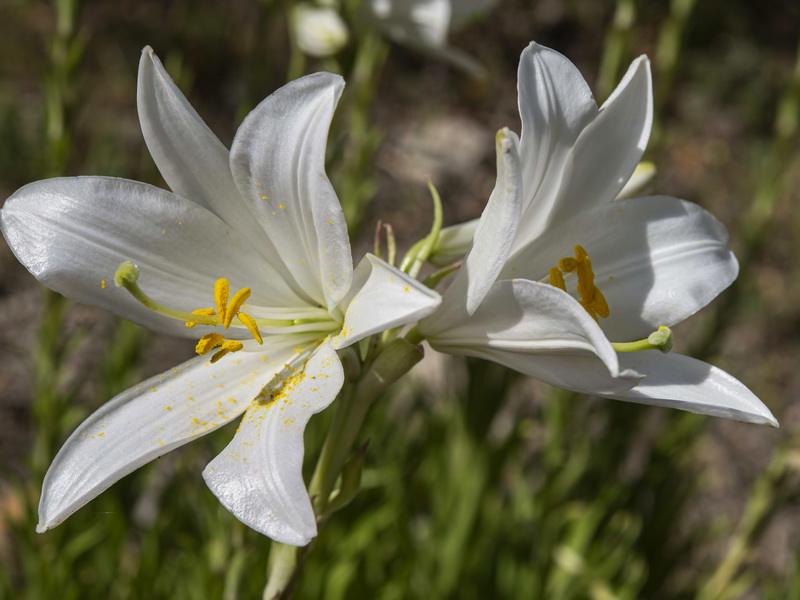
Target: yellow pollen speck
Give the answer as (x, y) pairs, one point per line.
(168, 407)
(265, 197)
(282, 207)
(160, 443)
(329, 223)
(258, 184)
(405, 288)
(152, 389)
(103, 283)
(101, 434)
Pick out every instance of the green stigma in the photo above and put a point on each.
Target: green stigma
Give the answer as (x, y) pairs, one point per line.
(658, 340)
(127, 274)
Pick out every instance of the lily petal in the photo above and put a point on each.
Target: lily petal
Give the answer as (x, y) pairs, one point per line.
(278, 163)
(555, 105)
(657, 260)
(73, 233)
(192, 160)
(382, 297)
(538, 330)
(608, 150)
(495, 233)
(149, 420)
(258, 477)
(678, 381)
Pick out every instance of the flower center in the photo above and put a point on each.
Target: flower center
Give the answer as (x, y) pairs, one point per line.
(592, 298)
(227, 311)
(593, 301)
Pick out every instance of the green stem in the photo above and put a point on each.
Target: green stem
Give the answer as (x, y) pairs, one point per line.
(394, 361)
(282, 571)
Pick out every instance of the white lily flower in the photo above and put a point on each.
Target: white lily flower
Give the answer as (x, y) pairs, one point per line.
(654, 261)
(319, 31)
(263, 216)
(424, 25)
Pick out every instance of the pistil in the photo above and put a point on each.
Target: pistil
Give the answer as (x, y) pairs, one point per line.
(658, 340)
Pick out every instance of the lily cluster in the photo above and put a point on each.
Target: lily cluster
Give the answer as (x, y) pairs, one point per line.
(562, 279)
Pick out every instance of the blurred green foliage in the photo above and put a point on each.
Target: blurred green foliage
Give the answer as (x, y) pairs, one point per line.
(479, 484)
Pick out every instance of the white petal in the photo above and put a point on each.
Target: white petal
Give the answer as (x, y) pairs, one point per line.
(657, 260)
(259, 475)
(278, 162)
(677, 381)
(540, 331)
(495, 233)
(73, 233)
(193, 162)
(555, 105)
(608, 150)
(382, 297)
(149, 420)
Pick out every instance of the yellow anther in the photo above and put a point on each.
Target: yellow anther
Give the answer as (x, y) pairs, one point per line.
(599, 304)
(205, 312)
(229, 346)
(557, 279)
(567, 264)
(591, 298)
(222, 290)
(208, 342)
(234, 305)
(585, 274)
(250, 323)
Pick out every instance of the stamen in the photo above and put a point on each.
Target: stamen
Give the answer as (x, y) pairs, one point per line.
(585, 274)
(126, 276)
(234, 305)
(658, 340)
(207, 312)
(250, 323)
(557, 279)
(229, 346)
(222, 290)
(591, 298)
(208, 342)
(567, 264)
